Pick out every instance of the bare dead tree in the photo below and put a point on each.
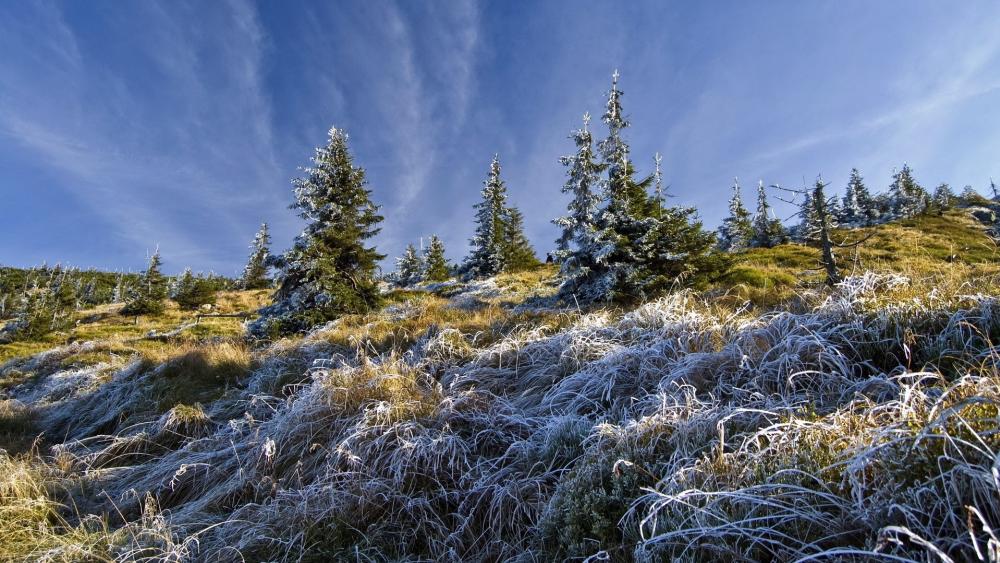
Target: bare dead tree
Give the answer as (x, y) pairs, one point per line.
(818, 224)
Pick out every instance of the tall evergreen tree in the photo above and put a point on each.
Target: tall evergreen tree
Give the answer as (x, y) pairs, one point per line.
(410, 267)
(736, 230)
(487, 255)
(435, 264)
(767, 229)
(517, 251)
(640, 247)
(578, 226)
(658, 192)
(330, 269)
(255, 272)
(619, 224)
(146, 298)
(906, 196)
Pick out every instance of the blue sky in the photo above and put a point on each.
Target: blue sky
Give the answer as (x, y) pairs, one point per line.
(127, 125)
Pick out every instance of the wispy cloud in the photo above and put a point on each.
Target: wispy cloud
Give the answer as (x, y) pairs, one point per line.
(154, 163)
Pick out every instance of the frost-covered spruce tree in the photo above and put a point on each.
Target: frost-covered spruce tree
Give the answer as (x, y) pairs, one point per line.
(619, 223)
(435, 264)
(943, 199)
(118, 295)
(146, 297)
(809, 220)
(906, 196)
(816, 215)
(640, 246)
(767, 229)
(180, 283)
(39, 312)
(858, 208)
(255, 272)
(409, 267)
(736, 230)
(330, 269)
(576, 244)
(486, 257)
(970, 197)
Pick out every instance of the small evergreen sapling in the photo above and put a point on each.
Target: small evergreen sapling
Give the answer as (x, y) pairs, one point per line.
(906, 197)
(255, 273)
(736, 231)
(768, 231)
(943, 199)
(192, 291)
(146, 297)
(435, 264)
(858, 207)
(409, 267)
(518, 254)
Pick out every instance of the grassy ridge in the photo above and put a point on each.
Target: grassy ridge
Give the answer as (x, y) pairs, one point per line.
(765, 418)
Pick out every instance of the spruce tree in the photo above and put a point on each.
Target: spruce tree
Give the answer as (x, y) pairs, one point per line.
(736, 230)
(676, 251)
(146, 298)
(816, 215)
(330, 270)
(620, 223)
(255, 272)
(906, 196)
(517, 251)
(767, 229)
(575, 246)
(435, 264)
(191, 291)
(409, 267)
(63, 291)
(858, 207)
(809, 219)
(35, 316)
(970, 197)
(487, 255)
(944, 198)
(118, 295)
(638, 247)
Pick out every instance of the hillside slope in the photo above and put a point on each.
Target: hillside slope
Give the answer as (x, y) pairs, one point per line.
(765, 418)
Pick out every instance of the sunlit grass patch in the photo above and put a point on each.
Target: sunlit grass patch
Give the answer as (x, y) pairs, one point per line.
(197, 374)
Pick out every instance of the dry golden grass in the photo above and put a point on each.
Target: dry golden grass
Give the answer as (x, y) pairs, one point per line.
(194, 374)
(32, 526)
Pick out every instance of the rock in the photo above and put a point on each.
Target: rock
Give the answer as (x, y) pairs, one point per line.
(983, 215)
